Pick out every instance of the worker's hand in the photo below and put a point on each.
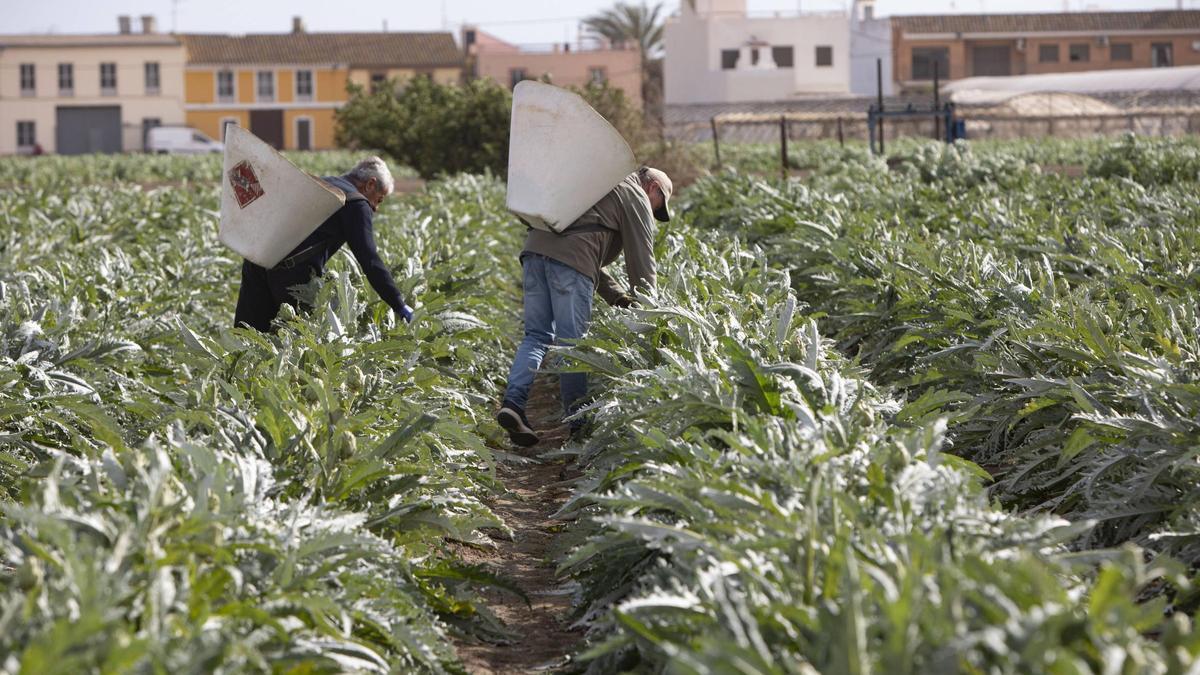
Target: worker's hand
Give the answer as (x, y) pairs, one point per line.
(624, 302)
(406, 313)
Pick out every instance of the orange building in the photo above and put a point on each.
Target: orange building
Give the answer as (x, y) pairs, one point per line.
(285, 87)
(968, 45)
(563, 63)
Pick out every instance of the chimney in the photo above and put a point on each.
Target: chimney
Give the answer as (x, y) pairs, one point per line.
(149, 26)
(123, 25)
(864, 10)
(297, 24)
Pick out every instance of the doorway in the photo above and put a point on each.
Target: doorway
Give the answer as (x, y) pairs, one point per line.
(268, 125)
(303, 133)
(86, 129)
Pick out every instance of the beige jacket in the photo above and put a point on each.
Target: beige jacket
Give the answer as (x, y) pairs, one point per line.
(621, 222)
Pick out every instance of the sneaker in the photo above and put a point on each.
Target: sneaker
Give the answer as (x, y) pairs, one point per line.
(517, 425)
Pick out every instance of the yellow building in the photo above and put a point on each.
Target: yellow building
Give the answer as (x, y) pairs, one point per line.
(286, 87)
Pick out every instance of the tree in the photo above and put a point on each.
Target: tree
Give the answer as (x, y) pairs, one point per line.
(638, 24)
(434, 128)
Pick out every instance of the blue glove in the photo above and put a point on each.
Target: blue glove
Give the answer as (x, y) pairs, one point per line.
(406, 313)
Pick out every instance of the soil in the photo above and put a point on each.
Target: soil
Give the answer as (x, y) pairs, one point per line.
(536, 489)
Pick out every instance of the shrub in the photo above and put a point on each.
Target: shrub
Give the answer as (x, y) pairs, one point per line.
(436, 129)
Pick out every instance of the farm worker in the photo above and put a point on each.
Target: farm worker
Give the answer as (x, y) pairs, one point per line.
(263, 291)
(562, 270)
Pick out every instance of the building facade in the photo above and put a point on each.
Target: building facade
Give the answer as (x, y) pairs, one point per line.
(717, 53)
(75, 94)
(286, 87)
(870, 50)
(564, 64)
(959, 46)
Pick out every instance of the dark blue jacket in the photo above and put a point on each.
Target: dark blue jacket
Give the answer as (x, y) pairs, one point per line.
(352, 224)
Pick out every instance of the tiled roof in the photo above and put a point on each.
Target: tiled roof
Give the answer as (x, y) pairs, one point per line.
(354, 49)
(1186, 20)
(110, 40)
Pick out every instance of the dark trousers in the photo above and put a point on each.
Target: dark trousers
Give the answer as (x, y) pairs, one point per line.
(263, 291)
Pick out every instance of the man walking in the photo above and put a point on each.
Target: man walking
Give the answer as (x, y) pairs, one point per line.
(561, 271)
(263, 290)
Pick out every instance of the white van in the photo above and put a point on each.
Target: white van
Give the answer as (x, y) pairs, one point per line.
(181, 140)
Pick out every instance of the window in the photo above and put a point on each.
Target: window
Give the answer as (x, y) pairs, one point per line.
(1121, 51)
(149, 123)
(227, 122)
(108, 79)
(28, 79)
(66, 79)
(597, 75)
(516, 75)
(1080, 52)
(1160, 55)
(152, 77)
(266, 85)
(784, 57)
(377, 80)
(1048, 54)
(26, 138)
(304, 85)
(923, 59)
(225, 92)
(824, 56)
(729, 58)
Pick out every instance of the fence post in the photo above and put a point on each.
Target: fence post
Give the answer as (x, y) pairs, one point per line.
(879, 89)
(937, 96)
(783, 143)
(842, 135)
(716, 141)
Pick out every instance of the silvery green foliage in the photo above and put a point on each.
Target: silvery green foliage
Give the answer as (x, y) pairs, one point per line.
(755, 504)
(1051, 320)
(178, 496)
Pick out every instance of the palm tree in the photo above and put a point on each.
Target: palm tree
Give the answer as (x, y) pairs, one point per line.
(638, 24)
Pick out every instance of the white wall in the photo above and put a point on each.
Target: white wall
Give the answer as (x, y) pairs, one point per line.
(870, 40)
(692, 66)
(131, 94)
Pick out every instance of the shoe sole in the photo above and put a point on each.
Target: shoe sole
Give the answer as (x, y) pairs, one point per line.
(517, 431)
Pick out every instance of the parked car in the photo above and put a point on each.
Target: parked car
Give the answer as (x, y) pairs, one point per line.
(181, 140)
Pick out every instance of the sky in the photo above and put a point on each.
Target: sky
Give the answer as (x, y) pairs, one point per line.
(520, 21)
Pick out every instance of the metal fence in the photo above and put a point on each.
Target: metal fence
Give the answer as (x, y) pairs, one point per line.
(772, 128)
(845, 120)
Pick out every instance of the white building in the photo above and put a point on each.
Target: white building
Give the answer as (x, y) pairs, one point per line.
(717, 53)
(74, 94)
(870, 40)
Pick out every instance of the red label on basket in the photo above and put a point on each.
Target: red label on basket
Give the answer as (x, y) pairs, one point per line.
(245, 184)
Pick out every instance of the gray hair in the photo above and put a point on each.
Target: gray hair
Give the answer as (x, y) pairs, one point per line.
(372, 167)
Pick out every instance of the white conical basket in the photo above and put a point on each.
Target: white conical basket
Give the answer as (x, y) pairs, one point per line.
(563, 157)
(268, 206)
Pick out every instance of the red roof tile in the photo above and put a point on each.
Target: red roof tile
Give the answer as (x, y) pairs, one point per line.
(415, 50)
(1115, 22)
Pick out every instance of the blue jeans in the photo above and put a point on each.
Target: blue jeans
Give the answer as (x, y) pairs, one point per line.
(558, 306)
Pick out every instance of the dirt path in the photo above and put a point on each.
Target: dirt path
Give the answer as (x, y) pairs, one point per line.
(535, 492)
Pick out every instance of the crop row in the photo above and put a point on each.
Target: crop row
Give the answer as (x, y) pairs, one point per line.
(180, 496)
(1052, 320)
(756, 505)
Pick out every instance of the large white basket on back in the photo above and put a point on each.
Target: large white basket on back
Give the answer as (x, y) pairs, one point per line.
(268, 206)
(563, 157)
